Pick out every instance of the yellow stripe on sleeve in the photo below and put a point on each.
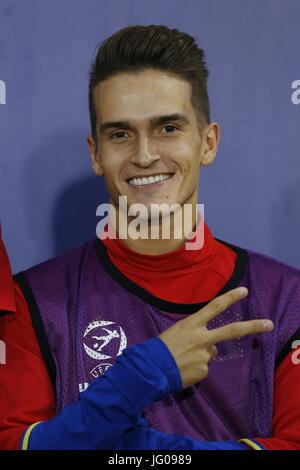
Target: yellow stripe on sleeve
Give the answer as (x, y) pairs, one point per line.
(27, 435)
(251, 444)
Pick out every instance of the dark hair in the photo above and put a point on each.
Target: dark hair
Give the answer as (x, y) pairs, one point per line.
(136, 48)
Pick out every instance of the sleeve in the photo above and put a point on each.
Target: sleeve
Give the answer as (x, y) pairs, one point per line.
(142, 437)
(112, 403)
(286, 417)
(107, 415)
(26, 392)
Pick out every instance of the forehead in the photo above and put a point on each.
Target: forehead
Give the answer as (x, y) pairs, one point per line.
(139, 96)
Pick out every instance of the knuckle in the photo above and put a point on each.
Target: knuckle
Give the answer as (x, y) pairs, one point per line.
(235, 330)
(214, 352)
(217, 304)
(204, 370)
(252, 327)
(199, 337)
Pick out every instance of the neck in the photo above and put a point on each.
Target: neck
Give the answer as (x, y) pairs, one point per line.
(155, 241)
(153, 247)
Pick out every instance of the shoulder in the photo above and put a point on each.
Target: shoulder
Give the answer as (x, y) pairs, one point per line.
(64, 262)
(270, 269)
(51, 280)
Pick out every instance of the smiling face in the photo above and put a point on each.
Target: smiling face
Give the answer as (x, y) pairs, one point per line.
(150, 147)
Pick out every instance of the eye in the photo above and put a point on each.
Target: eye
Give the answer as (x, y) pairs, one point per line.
(170, 126)
(117, 135)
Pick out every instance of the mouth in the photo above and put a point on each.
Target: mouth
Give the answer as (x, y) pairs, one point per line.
(151, 181)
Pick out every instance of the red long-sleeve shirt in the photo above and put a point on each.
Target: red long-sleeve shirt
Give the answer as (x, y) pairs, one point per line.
(26, 393)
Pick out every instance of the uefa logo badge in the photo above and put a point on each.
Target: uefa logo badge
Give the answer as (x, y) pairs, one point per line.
(104, 340)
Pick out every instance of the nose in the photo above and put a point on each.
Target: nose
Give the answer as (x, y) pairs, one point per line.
(145, 152)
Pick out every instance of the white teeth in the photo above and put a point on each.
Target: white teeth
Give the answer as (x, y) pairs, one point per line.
(149, 180)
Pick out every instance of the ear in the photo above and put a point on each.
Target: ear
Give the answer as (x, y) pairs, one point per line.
(211, 139)
(95, 157)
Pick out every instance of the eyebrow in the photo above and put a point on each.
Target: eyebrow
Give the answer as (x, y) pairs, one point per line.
(154, 121)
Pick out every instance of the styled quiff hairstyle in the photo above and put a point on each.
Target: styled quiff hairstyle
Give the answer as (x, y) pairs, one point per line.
(137, 48)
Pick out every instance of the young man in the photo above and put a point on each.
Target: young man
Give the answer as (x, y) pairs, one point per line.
(151, 135)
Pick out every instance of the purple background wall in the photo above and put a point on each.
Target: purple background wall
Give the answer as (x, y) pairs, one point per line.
(48, 194)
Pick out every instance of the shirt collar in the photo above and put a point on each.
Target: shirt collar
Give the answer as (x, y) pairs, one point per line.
(179, 260)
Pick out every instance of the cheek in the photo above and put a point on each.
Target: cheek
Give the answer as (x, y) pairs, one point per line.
(188, 162)
(112, 165)
(113, 171)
